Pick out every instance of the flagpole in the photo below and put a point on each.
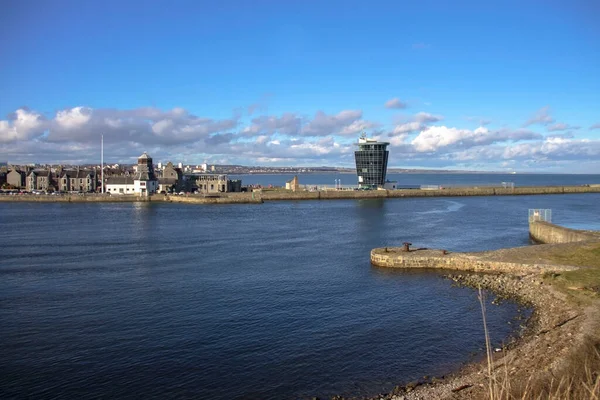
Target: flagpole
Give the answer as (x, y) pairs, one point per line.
(102, 162)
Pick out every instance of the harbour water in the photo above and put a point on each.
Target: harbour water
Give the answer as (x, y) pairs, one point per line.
(271, 301)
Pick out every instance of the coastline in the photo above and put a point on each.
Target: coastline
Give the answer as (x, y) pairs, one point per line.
(559, 329)
(259, 197)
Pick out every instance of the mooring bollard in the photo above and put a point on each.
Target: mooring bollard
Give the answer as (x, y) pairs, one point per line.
(406, 246)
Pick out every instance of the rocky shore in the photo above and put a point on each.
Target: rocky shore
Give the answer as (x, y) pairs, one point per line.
(555, 329)
(558, 330)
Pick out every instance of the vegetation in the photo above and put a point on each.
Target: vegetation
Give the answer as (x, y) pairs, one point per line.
(582, 284)
(579, 378)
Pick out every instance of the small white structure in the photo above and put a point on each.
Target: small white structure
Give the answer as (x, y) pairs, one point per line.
(390, 185)
(120, 185)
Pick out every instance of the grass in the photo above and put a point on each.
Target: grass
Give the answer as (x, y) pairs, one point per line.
(584, 283)
(579, 378)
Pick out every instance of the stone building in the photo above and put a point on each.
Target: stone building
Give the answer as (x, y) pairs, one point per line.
(217, 183)
(171, 179)
(16, 178)
(40, 180)
(143, 182)
(293, 184)
(77, 180)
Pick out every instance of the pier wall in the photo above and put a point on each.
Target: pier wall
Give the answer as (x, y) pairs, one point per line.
(268, 195)
(396, 258)
(545, 232)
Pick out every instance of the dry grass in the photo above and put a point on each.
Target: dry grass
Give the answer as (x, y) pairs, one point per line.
(577, 379)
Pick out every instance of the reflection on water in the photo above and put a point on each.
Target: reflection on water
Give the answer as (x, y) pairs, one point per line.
(169, 300)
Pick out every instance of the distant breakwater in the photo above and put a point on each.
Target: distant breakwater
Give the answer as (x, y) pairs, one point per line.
(258, 197)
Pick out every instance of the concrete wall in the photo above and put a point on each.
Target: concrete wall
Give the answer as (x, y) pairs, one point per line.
(545, 232)
(257, 197)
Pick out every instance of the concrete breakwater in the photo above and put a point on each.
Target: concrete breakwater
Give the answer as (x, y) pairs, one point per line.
(401, 193)
(545, 232)
(95, 198)
(274, 195)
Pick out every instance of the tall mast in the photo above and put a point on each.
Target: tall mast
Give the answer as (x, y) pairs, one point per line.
(102, 162)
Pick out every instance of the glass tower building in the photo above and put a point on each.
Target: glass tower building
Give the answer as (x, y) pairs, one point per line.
(371, 162)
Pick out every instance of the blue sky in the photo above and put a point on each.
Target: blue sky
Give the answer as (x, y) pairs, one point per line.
(471, 85)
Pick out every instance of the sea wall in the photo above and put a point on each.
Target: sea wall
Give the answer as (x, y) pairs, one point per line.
(208, 200)
(545, 232)
(397, 258)
(74, 199)
(272, 195)
(450, 192)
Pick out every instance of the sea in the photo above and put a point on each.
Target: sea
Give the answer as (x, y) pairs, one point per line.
(261, 301)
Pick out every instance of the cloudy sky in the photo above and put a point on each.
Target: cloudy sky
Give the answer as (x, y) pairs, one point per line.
(449, 84)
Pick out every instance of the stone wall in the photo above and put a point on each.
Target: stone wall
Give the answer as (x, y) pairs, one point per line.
(545, 232)
(396, 258)
(192, 199)
(259, 196)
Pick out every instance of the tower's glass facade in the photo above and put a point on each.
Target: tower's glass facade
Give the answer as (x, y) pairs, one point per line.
(371, 162)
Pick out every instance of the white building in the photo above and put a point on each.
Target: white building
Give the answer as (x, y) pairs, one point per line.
(143, 183)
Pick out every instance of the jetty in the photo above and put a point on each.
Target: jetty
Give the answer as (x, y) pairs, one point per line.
(559, 278)
(260, 196)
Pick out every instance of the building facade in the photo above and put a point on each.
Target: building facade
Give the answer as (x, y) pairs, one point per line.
(120, 185)
(142, 182)
(39, 180)
(77, 180)
(16, 178)
(371, 162)
(145, 182)
(171, 179)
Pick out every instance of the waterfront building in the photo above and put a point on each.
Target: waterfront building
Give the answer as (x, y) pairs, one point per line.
(171, 179)
(120, 185)
(216, 183)
(371, 162)
(77, 180)
(145, 181)
(142, 183)
(39, 180)
(293, 184)
(16, 178)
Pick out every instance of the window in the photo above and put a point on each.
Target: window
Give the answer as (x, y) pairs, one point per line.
(212, 187)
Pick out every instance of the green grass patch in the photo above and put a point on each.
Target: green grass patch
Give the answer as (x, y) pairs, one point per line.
(582, 284)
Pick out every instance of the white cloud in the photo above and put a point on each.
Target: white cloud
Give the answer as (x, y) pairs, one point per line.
(437, 137)
(395, 103)
(289, 138)
(560, 126)
(323, 124)
(426, 118)
(542, 116)
(595, 126)
(25, 125)
(73, 118)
